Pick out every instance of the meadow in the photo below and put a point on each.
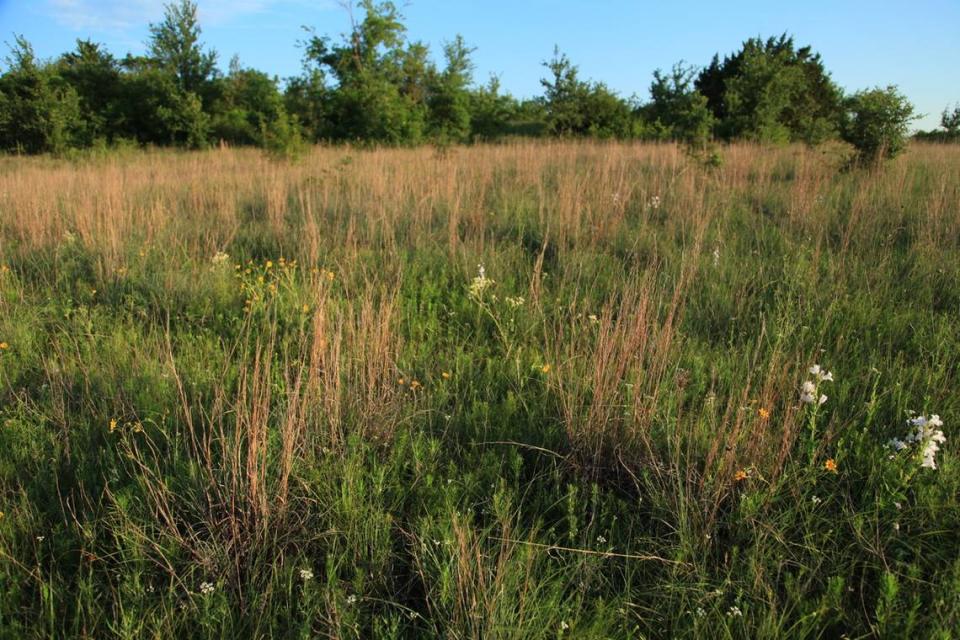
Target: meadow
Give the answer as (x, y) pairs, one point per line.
(528, 390)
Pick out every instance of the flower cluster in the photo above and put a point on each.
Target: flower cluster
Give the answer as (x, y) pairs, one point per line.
(810, 391)
(480, 284)
(655, 202)
(306, 574)
(206, 588)
(926, 433)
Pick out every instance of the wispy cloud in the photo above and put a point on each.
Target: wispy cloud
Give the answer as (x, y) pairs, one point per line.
(113, 16)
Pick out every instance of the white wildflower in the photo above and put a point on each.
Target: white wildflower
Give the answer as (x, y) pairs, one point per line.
(716, 256)
(816, 499)
(206, 588)
(593, 318)
(480, 284)
(563, 625)
(601, 540)
(735, 612)
(700, 612)
(306, 574)
(220, 258)
(928, 435)
(809, 391)
(351, 599)
(515, 302)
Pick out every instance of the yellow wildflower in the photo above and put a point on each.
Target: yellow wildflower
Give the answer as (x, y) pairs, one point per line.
(415, 384)
(4, 346)
(330, 276)
(446, 375)
(763, 413)
(269, 264)
(740, 475)
(545, 368)
(113, 425)
(306, 308)
(401, 381)
(830, 465)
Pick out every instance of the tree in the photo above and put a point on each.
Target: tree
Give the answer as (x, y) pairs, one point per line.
(772, 91)
(576, 107)
(249, 104)
(950, 121)
(491, 112)
(39, 112)
(157, 110)
(380, 81)
(676, 109)
(175, 45)
(877, 122)
(563, 96)
(95, 76)
(449, 100)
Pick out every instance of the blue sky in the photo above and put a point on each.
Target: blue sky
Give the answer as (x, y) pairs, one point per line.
(915, 45)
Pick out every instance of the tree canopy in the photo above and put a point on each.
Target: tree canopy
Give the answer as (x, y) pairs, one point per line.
(376, 85)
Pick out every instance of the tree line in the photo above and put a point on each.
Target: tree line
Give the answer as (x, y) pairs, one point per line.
(376, 85)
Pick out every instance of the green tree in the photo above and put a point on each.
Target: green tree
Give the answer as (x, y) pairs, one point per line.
(491, 111)
(676, 109)
(772, 91)
(175, 45)
(39, 111)
(877, 122)
(249, 104)
(563, 96)
(95, 76)
(575, 107)
(950, 121)
(157, 110)
(449, 100)
(380, 82)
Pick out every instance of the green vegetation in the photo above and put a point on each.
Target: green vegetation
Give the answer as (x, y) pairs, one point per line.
(242, 397)
(877, 123)
(376, 86)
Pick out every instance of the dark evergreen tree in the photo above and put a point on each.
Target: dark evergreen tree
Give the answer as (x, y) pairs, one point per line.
(772, 91)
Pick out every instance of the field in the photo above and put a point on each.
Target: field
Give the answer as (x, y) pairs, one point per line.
(531, 390)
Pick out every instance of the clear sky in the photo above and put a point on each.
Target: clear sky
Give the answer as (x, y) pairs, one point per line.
(915, 45)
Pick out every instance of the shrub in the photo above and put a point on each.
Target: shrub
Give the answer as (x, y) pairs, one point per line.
(876, 123)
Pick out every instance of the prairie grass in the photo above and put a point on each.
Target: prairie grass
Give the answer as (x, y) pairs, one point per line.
(246, 397)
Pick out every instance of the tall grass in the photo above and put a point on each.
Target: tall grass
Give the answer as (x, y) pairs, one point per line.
(250, 397)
